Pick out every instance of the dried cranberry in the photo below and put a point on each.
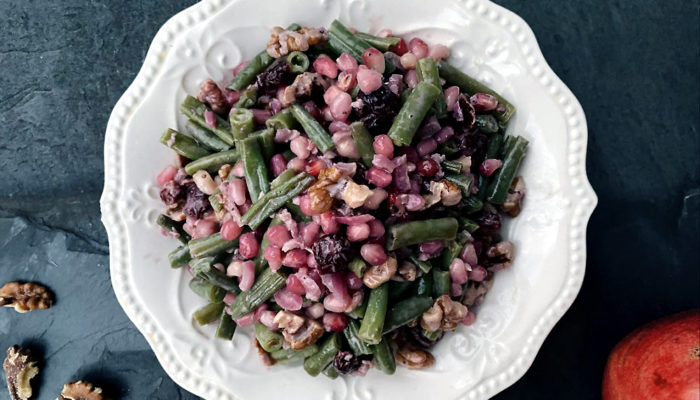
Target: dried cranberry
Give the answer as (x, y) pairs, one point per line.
(410, 153)
(196, 203)
(346, 362)
(332, 252)
(276, 75)
(379, 108)
(489, 222)
(464, 112)
(171, 193)
(428, 167)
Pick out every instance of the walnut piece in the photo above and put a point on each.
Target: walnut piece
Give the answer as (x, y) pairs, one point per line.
(499, 256)
(475, 292)
(444, 192)
(298, 331)
(445, 314)
(412, 357)
(80, 391)
(283, 42)
(375, 275)
(20, 367)
(302, 87)
(511, 206)
(263, 355)
(25, 296)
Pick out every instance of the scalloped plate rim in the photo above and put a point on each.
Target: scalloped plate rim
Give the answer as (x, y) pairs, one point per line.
(111, 217)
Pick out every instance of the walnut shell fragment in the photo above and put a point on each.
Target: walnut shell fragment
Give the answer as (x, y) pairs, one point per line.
(80, 391)
(25, 296)
(20, 367)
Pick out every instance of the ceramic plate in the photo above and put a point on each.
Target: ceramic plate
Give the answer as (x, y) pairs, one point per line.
(488, 42)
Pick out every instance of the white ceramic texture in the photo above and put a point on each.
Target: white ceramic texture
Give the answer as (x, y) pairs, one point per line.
(487, 41)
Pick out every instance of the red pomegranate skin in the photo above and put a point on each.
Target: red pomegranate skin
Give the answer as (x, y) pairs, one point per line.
(659, 361)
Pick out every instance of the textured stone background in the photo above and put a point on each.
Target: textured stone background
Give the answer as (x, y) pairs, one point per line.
(63, 65)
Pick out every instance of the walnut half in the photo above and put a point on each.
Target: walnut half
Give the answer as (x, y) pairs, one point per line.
(80, 391)
(25, 296)
(20, 367)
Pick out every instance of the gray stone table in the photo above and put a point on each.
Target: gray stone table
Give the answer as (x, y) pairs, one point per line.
(63, 65)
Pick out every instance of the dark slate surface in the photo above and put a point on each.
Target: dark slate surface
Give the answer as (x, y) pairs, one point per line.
(63, 65)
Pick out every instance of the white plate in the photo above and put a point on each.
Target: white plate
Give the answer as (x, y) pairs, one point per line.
(487, 41)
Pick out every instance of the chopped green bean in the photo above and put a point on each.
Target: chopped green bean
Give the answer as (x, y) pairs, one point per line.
(451, 251)
(342, 39)
(212, 162)
(364, 142)
(414, 232)
(215, 203)
(406, 311)
(195, 110)
(317, 362)
(241, 120)
(463, 182)
(285, 356)
(173, 227)
(399, 290)
(209, 313)
(384, 357)
(442, 284)
(373, 322)
(381, 43)
(424, 285)
(275, 199)
(432, 336)
(424, 266)
(359, 311)
(412, 113)
(285, 176)
(452, 166)
(226, 328)
(179, 257)
(266, 141)
(494, 145)
(256, 176)
(210, 245)
(470, 85)
(354, 342)
(206, 290)
(282, 120)
(203, 268)
(313, 129)
(497, 191)
(472, 204)
(486, 122)
(248, 98)
(183, 145)
(357, 266)
(248, 74)
(298, 62)
(427, 71)
(206, 138)
(269, 340)
(469, 225)
(331, 372)
(264, 287)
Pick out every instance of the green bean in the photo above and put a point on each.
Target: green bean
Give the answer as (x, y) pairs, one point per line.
(266, 141)
(463, 182)
(248, 98)
(206, 290)
(215, 203)
(209, 313)
(340, 47)
(282, 120)
(470, 85)
(203, 268)
(210, 245)
(381, 43)
(248, 74)
(354, 342)
(289, 205)
(357, 266)
(212, 162)
(342, 39)
(398, 290)
(285, 176)
(359, 311)
(206, 138)
(173, 227)
(414, 232)
(226, 328)
(331, 372)
(254, 166)
(442, 284)
(404, 95)
(472, 205)
(406, 311)
(424, 285)
(183, 145)
(179, 257)
(498, 189)
(275, 199)
(432, 336)
(260, 261)
(449, 148)
(384, 357)
(424, 266)
(427, 71)
(269, 340)
(195, 109)
(494, 145)
(285, 356)
(364, 142)
(264, 287)
(241, 120)
(412, 113)
(451, 251)
(452, 166)
(487, 123)
(317, 362)
(469, 225)
(298, 62)
(373, 322)
(313, 129)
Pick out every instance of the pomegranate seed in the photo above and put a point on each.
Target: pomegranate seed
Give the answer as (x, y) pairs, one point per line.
(428, 167)
(314, 167)
(401, 48)
(334, 322)
(373, 59)
(248, 245)
(295, 286)
(383, 145)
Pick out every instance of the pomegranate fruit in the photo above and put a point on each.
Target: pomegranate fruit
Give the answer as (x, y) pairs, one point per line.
(660, 360)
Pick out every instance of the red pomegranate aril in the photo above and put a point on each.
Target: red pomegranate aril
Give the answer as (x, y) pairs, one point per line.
(248, 276)
(273, 255)
(418, 47)
(354, 282)
(373, 59)
(383, 145)
(248, 245)
(278, 235)
(451, 96)
(329, 224)
(376, 228)
(373, 254)
(295, 286)
(458, 271)
(309, 233)
(369, 80)
(469, 319)
(425, 147)
(378, 177)
(489, 166)
(358, 232)
(411, 78)
(288, 300)
(478, 273)
(166, 175)
(401, 48)
(334, 322)
(483, 102)
(346, 62)
(230, 230)
(326, 66)
(427, 167)
(305, 205)
(314, 167)
(295, 258)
